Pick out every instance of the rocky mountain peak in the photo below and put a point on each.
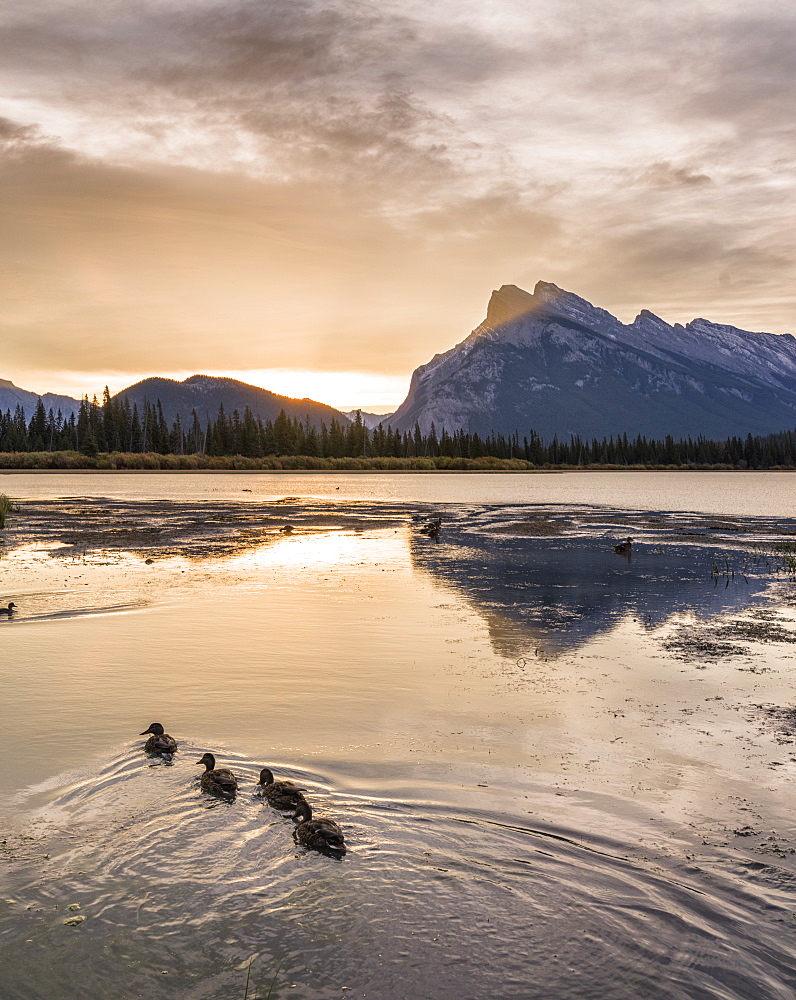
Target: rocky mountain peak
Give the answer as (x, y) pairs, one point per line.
(508, 303)
(648, 323)
(558, 300)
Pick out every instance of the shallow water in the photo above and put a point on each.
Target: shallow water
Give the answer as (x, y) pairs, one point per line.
(542, 796)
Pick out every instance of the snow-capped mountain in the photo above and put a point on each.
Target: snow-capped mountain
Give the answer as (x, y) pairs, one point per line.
(552, 362)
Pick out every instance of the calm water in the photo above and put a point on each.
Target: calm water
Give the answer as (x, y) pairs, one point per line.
(748, 493)
(543, 797)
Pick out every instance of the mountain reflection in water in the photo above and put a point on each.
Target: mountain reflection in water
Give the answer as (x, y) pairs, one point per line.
(558, 593)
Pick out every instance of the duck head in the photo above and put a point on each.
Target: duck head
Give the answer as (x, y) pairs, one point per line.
(156, 729)
(266, 776)
(303, 813)
(209, 762)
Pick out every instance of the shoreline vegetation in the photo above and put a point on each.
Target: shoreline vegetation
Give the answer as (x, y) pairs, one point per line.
(74, 461)
(114, 436)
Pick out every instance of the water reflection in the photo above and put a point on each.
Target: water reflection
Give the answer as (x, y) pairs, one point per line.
(547, 579)
(559, 593)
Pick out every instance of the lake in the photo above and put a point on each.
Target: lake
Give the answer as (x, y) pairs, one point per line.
(771, 493)
(561, 772)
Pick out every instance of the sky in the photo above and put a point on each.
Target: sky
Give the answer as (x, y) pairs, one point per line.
(317, 197)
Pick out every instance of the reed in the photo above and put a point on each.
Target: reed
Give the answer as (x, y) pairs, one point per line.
(776, 557)
(6, 508)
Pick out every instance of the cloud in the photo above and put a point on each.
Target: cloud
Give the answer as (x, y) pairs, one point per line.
(303, 184)
(671, 175)
(752, 83)
(120, 268)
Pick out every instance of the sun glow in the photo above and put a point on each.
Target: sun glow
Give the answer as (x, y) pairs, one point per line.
(342, 390)
(318, 550)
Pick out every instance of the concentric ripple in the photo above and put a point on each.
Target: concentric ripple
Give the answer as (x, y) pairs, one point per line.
(182, 889)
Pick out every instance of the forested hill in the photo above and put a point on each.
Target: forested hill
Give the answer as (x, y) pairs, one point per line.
(205, 393)
(117, 428)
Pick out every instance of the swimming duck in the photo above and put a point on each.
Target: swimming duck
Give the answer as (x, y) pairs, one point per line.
(218, 781)
(279, 794)
(623, 548)
(433, 528)
(159, 742)
(9, 610)
(320, 834)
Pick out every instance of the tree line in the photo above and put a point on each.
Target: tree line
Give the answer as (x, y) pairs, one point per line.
(113, 426)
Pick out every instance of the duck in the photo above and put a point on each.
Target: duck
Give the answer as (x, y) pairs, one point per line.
(624, 548)
(433, 528)
(217, 781)
(159, 742)
(319, 834)
(279, 794)
(9, 610)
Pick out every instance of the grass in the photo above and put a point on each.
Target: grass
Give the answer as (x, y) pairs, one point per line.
(152, 461)
(6, 508)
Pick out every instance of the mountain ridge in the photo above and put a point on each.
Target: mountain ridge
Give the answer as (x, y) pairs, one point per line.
(552, 362)
(547, 361)
(208, 392)
(12, 396)
(198, 391)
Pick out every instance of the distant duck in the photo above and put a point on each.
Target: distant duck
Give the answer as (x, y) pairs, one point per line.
(217, 781)
(159, 742)
(279, 794)
(624, 548)
(433, 528)
(286, 529)
(9, 610)
(319, 834)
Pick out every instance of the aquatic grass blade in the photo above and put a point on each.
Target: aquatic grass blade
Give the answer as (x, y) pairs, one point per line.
(248, 977)
(248, 980)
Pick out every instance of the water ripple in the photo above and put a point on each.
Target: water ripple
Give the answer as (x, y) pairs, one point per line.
(429, 902)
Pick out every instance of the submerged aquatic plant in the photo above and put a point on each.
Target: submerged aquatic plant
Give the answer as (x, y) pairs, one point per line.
(723, 569)
(775, 557)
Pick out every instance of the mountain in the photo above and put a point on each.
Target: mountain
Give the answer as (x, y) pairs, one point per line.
(12, 396)
(552, 362)
(370, 420)
(205, 393)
